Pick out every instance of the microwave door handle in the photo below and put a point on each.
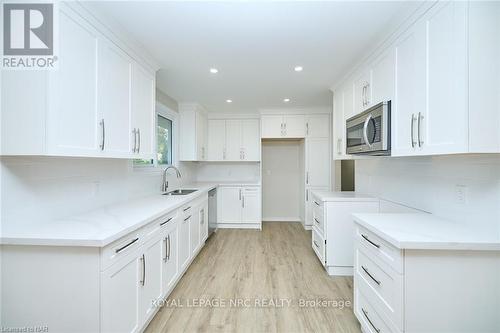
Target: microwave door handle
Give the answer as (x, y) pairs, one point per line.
(365, 130)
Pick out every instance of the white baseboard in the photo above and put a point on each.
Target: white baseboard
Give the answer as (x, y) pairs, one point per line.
(239, 226)
(281, 219)
(307, 227)
(340, 270)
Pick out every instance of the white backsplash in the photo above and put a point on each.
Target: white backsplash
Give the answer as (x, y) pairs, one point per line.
(432, 184)
(45, 188)
(227, 171)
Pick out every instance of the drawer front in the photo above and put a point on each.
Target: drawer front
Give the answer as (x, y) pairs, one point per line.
(375, 247)
(319, 217)
(120, 248)
(318, 245)
(370, 320)
(383, 287)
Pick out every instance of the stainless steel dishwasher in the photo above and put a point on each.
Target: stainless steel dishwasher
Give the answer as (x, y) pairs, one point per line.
(212, 211)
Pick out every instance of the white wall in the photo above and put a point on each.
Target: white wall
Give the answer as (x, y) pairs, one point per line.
(44, 188)
(281, 180)
(430, 184)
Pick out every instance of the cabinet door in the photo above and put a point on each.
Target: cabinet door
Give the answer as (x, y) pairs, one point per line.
(142, 92)
(201, 136)
(230, 198)
(194, 230)
(120, 296)
(204, 223)
(317, 162)
(444, 129)
(216, 139)
(184, 242)
(72, 127)
(362, 92)
(250, 204)
(384, 77)
(348, 92)
(338, 125)
(113, 95)
(150, 277)
(250, 139)
(309, 204)
(271, 126)
(295, 126)
(318, 126)
(170, 266)
(410, 87)
(233, 140)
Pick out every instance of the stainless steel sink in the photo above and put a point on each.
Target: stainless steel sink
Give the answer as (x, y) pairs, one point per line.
(180, 192)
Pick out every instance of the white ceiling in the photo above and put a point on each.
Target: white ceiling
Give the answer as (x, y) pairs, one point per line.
(255, 46)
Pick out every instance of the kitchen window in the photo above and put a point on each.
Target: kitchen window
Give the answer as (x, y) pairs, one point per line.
(166, 139)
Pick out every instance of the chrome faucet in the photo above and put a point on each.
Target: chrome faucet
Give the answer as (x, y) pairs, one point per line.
(164, 185)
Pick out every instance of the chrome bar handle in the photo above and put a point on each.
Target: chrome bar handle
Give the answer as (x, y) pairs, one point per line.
(103, 131)
(240, 194)
(316, 220)
(139, 140)
(371, 276)
(187, 218)
(369, 241)
(412, 126)
(126, 245)
(143, 280)
(307, 177)
(168, 247)
(368, 318)
(307, 128)
(420, 141)
(166, 250)
(243, 202)
(365, 130)
(135, 140)
(316, 244)
(170, 219)
(307, 195)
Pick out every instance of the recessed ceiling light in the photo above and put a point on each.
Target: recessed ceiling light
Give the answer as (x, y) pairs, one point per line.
(229, 100)
(286, 100)
(214, 70)
(298, 68)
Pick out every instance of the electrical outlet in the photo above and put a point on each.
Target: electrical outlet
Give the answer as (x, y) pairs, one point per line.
(461, 194)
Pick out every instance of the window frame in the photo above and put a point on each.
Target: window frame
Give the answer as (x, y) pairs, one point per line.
(166, 112)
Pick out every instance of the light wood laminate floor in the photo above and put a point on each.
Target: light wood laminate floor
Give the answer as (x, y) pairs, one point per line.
(256, 266)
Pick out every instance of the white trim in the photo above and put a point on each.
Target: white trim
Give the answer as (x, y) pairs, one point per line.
(281, 219)
(340, 270)
(297, 111)
(239, 226)
(233, 116)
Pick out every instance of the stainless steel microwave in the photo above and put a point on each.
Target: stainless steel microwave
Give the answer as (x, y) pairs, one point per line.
(370, 131)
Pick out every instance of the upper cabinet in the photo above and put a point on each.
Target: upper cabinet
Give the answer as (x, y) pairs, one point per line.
(99, 103)
(283, 126)
(193, 132)
(318, 126)
(233, 140)
(441, 75)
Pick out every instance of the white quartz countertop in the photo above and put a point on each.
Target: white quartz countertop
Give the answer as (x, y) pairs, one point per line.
(342, 196)
(427, 232)
(102, 226)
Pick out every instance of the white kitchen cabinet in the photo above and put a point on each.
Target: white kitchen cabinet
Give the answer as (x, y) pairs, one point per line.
(203, 211)
(216, 139)
(120, 295)
(283, 126)
(411, 90)
(250, 205)
(113, 100)
(339, 132)
(142, 100)
(84, 108)
(233, 140)
(383, 78)
(184, 241)
(444, 126)
(310, 204)
(72, 125)
(239, 207)
(194, 230)
(170, 263)
(193, 132)
(150, 287)
(318, 126)
(317, 162)
(362, 91)
(250, 140)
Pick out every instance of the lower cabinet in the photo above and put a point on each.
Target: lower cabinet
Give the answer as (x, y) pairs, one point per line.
(184, 241)
(120, 286)
(169, 266)
(203, 211)
(150, 277)
(239, 207)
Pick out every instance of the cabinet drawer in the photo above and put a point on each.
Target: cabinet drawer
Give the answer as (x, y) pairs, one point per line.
(318, 245)
(375, 247)
(384, 288)
(370, 320)
(319, 219)
(120, 248)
